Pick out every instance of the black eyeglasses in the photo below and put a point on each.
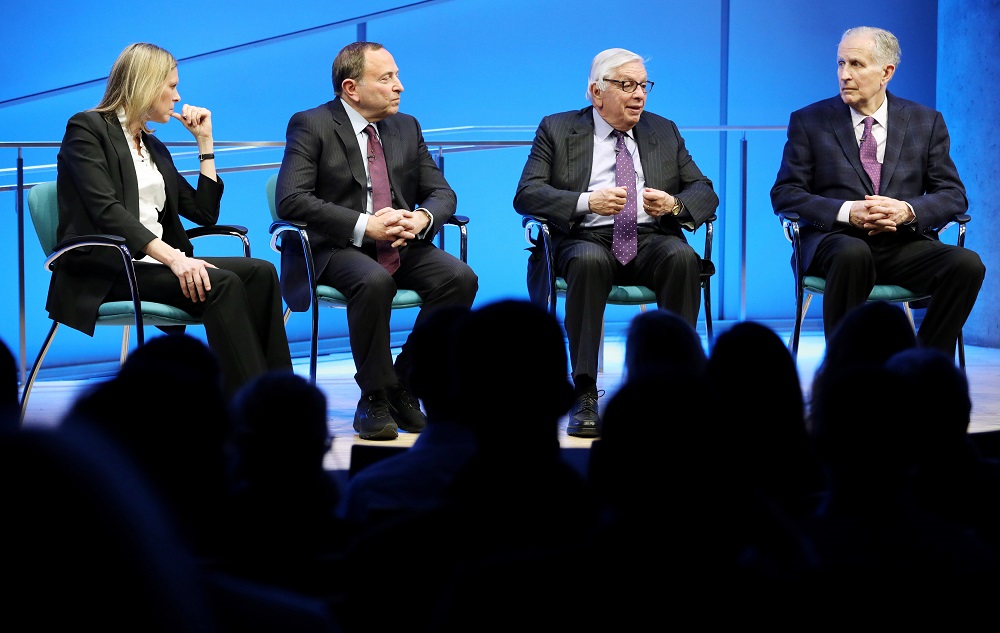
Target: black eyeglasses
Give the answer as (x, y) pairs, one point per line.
(629, 86)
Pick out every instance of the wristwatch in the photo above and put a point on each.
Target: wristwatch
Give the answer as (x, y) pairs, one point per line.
(676, 209)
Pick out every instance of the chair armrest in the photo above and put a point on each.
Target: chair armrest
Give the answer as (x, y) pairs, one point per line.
(790, 225)
(961, 219)
(541, 262)
(80, 241)
(234, 230)
(460, 222)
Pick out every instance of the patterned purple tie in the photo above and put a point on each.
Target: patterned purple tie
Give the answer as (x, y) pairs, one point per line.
(381, 197)
(625, 243)
(869, 154)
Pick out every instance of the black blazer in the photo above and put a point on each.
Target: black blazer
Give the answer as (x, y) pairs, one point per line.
(821, 168)
(322, 182)
(98, 193)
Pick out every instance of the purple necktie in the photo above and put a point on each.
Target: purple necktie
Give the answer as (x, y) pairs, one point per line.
(381, 197)
(625, 243)
(869, 154)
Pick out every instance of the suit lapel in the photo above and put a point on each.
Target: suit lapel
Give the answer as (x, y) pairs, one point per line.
(899, 119)
(843, 130)
(345, 132)
(129, 183)
(580, 150)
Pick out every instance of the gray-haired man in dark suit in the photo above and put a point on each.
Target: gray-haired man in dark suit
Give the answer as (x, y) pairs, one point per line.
(859, 230)
(569, 179)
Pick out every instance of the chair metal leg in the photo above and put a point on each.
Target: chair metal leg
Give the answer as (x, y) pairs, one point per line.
(961, 350)
(124, 354)
(708, 312)
(314, 340)
(909, 316)
(802, 306)
(30, 381)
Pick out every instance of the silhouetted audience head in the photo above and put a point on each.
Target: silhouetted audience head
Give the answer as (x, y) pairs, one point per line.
(660, 343)
(86, 543)
(10, 407)
(760, 408)
(433, 346)
(283, 522)
(166, 409)
(280, 426)
(868, 335)
(514, 347)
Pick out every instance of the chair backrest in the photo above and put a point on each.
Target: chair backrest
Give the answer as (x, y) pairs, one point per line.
(43, 204)
(269, 190)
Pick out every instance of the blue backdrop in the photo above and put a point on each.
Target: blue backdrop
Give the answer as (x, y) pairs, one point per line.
(472, 70)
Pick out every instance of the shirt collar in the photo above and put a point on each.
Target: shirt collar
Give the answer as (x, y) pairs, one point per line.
(881, 115)
(358, 122)
(603, 129)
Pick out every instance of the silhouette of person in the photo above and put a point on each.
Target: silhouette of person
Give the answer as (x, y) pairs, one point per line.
(868, 335)
(515, 496)
(87, 543)
(285, 531)
(660, 343)
(759, 404)
(10, 408)
(950, 476)
(167, 411)
(879, 547)
(415, 480)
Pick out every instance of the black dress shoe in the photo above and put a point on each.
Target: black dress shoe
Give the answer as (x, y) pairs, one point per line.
(585, 421)
(405, 410)
(372, 419)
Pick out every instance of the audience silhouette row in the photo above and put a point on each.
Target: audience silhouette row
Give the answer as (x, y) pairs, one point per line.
(719, 488)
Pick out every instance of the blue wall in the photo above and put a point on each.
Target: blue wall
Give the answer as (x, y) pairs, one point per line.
(493, 65)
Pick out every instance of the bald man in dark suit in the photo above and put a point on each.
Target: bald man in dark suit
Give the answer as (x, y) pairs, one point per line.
(860, 229)
(569, 179)
(324, 181)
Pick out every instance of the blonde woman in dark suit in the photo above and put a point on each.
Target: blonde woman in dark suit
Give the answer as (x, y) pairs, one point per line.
(115, 177)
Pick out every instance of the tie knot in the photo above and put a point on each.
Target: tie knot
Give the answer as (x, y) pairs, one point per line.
(370, 130)
(869, 121)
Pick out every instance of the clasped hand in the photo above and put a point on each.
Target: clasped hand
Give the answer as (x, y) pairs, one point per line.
(611, 201)
(398, 225)
(879, 214)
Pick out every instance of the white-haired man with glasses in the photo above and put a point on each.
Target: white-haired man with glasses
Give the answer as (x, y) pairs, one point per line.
(613, 159)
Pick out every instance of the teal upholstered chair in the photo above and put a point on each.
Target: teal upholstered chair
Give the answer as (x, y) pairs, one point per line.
(538, 235)
(44, 209)
(807, 286)
(328, 296)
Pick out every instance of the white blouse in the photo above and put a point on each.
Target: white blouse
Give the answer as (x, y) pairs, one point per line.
(152, 192)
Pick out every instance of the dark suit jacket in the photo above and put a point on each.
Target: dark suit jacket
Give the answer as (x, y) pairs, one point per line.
(821, 168)
(322, 182)
(98, 193)
(561, 158)
(559, 167)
